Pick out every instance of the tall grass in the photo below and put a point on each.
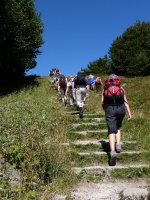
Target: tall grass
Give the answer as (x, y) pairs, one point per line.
(138, 94)
(32, 129)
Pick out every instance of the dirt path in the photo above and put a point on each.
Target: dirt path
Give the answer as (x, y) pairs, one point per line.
(111, 190)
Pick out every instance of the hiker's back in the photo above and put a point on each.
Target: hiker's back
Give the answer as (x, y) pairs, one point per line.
(113, 92)
(80, 80)
(62, 81)
(91, 81)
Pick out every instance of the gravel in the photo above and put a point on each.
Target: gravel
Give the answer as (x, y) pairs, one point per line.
(120, 190)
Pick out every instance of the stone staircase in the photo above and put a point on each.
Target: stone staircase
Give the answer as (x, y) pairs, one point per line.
(90, 154)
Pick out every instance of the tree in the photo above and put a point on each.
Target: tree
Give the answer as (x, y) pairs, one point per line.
(100, 66)
(130, 52)
(20, 37)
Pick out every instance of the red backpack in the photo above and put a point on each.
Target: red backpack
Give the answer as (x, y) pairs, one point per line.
(113, 92)
(98, 81)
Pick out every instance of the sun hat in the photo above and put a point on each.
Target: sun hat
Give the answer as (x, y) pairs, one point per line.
(113, 76)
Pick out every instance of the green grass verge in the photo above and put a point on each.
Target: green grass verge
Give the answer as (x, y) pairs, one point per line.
(131, 173)
(33, 126)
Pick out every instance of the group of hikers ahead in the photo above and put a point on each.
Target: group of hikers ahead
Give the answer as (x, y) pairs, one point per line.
(75, 88)
(113, 99)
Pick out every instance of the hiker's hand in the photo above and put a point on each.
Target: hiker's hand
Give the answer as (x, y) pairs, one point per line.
(87, 94)
(129, 117)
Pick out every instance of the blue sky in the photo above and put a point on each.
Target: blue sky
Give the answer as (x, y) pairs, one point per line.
(77, 32)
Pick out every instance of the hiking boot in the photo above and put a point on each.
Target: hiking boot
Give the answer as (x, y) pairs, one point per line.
(112, 160)
(81, 112)
(118, 148)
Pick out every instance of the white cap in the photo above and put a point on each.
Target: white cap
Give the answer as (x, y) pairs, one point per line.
(113, 76)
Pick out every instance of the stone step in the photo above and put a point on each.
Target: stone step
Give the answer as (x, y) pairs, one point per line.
(76, 113)
(112, 190)
(91, 115)
(106, 170)
(85, 112)
(82, 158)
(88, 124)
(95, 119)
(99, 142)
(89, 127)
(108, 190)
(83, 145)
(95, 142)
(104, 153)
(90, 131)
(98, 147)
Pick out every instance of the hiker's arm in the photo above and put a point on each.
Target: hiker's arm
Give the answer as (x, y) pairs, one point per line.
(58, 87)
(73, 89)
(57, 83)
(127, 106)
(87, 87)
(102, 99)
(66, 91)
(66, 88)
(87, 90)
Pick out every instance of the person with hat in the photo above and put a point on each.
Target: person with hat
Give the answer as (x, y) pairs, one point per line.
(115, 105)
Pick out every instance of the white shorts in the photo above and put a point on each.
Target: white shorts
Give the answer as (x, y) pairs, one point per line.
(80, 96)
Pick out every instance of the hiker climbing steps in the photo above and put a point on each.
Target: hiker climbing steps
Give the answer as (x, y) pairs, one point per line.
(90, 148)
(89, 145)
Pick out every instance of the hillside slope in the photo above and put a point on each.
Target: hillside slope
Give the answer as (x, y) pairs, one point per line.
(34, 125)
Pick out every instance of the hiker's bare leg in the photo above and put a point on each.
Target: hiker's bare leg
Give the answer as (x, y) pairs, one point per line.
(118, 137)
(112, 159)
(112, 141)
(118, 145)
(78, 97)
(63, 99)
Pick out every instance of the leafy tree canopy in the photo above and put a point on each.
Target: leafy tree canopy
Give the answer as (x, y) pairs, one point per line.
(99, 66)
(20, 37)
(130, 52)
